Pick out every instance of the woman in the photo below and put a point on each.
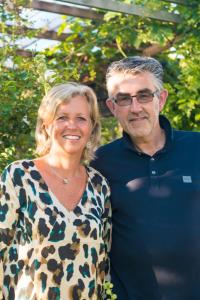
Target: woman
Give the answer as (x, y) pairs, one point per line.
(55, 210)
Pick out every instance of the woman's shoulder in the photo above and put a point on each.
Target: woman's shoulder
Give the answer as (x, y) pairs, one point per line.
(95, 173)
(97, 178)
(18, 166)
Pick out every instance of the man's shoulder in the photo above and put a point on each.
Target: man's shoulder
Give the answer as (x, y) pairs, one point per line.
(187, 135)
(106, 156)
(189, 141)
(109, 148)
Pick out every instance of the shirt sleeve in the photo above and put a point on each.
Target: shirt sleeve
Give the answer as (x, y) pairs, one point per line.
(107, 229)
(9, 206)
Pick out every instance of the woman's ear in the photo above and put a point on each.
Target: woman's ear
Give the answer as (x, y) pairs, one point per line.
(47, 128)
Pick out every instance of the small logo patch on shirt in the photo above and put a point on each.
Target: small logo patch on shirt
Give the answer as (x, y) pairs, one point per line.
(187, 179)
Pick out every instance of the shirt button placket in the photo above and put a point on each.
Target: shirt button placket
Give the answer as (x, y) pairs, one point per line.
(152, 169)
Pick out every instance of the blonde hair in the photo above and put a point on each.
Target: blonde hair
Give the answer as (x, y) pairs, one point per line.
(56, 96)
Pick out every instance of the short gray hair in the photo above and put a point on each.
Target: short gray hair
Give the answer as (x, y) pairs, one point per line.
(137, 64)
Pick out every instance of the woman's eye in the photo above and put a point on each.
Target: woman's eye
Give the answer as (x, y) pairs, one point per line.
(61, 118)
(81, 119)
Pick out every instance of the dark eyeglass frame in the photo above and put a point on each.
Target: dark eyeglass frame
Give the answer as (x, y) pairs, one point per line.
(137, 96)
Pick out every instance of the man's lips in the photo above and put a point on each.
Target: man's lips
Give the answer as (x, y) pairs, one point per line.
(136, 119)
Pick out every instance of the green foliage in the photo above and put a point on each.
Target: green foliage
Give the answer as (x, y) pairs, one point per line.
(108, 286)
(20, 93)
(110, 129)
(85, 55)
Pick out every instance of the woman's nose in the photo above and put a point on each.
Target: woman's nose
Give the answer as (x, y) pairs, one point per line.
(71, 123)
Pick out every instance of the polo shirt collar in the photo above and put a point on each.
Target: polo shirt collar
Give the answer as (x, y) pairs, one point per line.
(165, 124)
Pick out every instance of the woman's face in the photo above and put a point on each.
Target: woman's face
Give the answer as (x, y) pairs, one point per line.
(71, 128)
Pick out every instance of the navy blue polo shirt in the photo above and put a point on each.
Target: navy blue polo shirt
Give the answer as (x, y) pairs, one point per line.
(155, 250)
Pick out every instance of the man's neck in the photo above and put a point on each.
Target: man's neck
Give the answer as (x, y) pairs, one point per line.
(150, 145)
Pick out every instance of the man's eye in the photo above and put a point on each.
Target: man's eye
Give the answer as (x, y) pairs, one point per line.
(123, 98)
(144, 96)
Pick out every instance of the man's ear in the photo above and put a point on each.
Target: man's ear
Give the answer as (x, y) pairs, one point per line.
(162, 99)
(111, 106)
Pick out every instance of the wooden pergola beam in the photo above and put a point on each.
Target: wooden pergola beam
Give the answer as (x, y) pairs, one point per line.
(112, 5)
(130, 9)
(182, 2)
(65, 10)
(42, 34)
(25, 53)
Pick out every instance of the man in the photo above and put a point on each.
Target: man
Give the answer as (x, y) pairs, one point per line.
(154, 173)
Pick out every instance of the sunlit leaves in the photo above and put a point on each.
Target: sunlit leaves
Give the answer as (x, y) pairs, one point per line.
(84, 56)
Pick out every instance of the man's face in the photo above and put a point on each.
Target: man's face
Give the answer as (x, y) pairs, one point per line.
(139, 120)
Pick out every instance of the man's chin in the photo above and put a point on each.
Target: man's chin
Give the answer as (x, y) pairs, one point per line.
(137, 133)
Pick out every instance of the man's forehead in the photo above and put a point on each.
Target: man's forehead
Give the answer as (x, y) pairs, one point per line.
(120, 81)
(124, 76)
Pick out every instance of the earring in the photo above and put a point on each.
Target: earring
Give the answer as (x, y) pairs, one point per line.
(88, 145)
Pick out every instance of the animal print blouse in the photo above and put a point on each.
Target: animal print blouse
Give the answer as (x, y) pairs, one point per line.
(46, 251)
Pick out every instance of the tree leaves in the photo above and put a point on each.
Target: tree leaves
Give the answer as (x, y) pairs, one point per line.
(85, 55)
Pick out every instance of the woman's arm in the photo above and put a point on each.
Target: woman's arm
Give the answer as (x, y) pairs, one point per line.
(9, 206)
(107, 229)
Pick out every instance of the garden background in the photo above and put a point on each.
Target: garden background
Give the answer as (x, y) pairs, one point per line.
(84, 54)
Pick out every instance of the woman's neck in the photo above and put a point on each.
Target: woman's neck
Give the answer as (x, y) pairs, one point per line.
(69, 166)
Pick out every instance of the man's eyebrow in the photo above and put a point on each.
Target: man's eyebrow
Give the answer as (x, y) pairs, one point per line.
(121, 93)
(144, 91)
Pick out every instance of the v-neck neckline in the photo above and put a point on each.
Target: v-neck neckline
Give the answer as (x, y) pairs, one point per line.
(55, 198)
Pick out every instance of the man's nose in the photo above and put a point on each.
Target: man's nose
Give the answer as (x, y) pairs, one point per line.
(135, 105)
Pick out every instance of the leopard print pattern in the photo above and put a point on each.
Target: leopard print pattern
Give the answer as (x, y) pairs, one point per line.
(46, 251)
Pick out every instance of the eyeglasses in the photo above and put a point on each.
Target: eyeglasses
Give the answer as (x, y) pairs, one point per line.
(125, 99)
